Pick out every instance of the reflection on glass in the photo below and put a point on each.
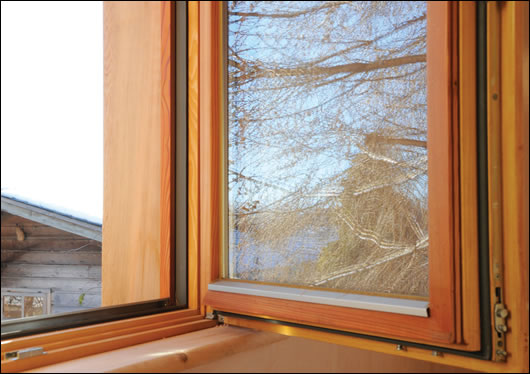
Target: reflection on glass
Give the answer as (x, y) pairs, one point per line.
(12, 307)
(327, 151)
(33, 306)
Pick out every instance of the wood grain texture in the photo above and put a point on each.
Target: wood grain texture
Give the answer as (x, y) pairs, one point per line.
(168, 140)
(127, 331)
(209, 145)
(468, 175)
(495, 219)
(32, 229)
(132, 155)
(74, 333)
(233, 349)
(365, 361)
(440, 326)
(440, 165)
(64, 284)
(94, 347)
(66, 264)
(53, 258)
(193, 154)
(515, 224)
(51, 271)
(515, 171)
(60, 244)
(241, 350)
(339, 318)
(175, 354)
(455, 143)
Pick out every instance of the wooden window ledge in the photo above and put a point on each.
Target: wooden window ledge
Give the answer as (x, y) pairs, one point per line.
(236, 349)
(173, 354)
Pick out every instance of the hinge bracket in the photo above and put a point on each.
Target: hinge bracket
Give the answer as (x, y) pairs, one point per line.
(215, 316)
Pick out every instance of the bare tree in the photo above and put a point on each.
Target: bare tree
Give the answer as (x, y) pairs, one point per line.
(327, 144)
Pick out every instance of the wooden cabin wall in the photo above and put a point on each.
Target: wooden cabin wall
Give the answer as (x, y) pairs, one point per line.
(49, 258)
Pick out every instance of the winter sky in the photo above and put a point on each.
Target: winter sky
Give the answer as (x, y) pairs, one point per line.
(52, 104)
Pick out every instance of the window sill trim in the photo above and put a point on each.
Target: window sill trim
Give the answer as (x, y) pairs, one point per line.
(367, 302)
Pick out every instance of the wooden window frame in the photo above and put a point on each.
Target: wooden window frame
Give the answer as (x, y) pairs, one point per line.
(455, 287)
(204, 261)
(441, 326)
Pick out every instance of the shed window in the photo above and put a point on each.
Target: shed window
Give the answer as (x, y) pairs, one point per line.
(24, 303)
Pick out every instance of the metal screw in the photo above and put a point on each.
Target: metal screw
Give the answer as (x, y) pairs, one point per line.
(495, 96)
(400, 347)
(501, 352)
(502, 313)
(503, 328)
(437, 353)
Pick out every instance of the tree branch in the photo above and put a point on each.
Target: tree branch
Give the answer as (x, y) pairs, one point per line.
(353, 68)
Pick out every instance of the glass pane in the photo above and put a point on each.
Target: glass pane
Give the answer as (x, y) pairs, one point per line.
(12, 307)
(327, 150)
(33, 306)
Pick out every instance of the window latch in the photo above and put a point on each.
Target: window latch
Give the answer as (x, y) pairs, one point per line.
(24, 353)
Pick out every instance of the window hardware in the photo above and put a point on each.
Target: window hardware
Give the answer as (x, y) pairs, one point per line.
(500, 311)
(501, 352)
(215, 316)
(24, 353)
(500, 314)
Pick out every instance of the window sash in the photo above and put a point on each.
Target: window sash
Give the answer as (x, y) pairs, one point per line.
(31, 292)
(439, 327)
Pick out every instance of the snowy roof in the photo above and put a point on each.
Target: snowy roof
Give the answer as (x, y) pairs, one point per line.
(52, 215)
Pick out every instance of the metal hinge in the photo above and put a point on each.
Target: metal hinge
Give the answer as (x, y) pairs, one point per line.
(215, 316)
(24, 353)
(500, 314)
